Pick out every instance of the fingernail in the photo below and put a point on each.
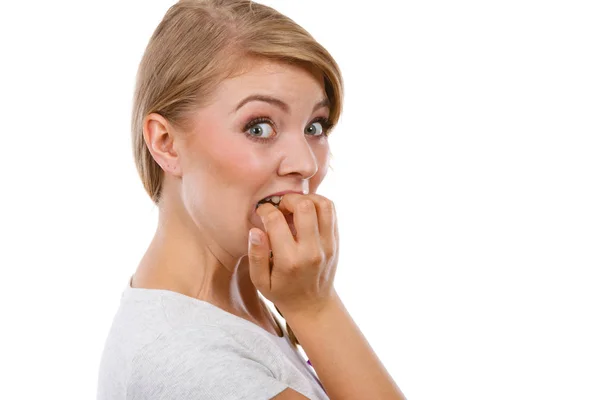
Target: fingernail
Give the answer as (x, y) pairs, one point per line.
(254, 238)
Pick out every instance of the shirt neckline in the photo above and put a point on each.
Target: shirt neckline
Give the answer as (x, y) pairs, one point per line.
(129, 291)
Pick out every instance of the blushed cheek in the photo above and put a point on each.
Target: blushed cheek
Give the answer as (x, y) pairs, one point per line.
(239, 167)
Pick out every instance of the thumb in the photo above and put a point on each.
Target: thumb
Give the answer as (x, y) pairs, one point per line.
(258, 261)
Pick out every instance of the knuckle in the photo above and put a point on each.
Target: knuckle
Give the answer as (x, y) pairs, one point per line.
(305, 205)
(255, 257)
(327, 206)
(329, 252)
(271, 217)
(294, 268)
(316, 258)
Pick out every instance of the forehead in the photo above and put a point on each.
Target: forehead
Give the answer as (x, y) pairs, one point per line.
(260, 76)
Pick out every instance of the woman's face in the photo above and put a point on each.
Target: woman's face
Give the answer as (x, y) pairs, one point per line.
(240, 150)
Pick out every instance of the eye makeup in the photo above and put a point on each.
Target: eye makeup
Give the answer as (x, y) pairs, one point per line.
(256, 121)
(324, 121)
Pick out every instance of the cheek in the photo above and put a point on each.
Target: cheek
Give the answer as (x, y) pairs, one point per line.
(219, 189)
(239, 166)
(221, 154)
(233, 173)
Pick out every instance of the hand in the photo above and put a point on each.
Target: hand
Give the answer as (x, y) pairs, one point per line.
(303, 267)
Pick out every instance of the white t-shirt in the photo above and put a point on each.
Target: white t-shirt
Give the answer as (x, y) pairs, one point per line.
(165, 345)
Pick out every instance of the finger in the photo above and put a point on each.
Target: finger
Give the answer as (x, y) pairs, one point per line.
(305, 217)
(258, 260)
(277, 229)
(327, 218)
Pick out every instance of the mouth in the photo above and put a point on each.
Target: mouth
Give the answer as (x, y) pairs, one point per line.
(275, 200)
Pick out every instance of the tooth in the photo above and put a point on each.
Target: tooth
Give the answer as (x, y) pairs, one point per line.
(276, 199)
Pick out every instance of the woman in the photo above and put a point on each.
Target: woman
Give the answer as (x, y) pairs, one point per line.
(232, 109)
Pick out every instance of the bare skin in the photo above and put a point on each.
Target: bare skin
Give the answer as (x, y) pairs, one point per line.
(215, 175)
(300, 283)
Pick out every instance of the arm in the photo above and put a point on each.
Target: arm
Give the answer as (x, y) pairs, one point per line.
(299, 282)
(345, 362)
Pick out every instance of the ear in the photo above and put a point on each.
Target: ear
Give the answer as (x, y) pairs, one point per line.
(159, 136)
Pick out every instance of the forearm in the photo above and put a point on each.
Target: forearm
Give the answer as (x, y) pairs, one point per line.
(345, 362)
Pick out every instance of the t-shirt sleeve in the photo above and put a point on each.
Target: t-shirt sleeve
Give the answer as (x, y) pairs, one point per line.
(203, 364)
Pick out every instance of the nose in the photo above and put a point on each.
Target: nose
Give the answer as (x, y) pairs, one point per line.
(298, 157)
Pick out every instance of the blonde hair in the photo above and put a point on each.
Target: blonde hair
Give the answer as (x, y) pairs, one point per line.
(198, 44)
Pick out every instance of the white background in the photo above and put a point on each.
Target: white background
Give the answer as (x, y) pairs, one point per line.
(466, 178)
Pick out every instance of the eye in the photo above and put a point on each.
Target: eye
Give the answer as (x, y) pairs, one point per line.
(315, 129)
(259, 129)
(318, 127)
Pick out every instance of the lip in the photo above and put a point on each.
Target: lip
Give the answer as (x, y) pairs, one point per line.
(282, 193)
(279, 194)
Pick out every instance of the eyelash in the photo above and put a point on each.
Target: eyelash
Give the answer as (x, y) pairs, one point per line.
(325, 123)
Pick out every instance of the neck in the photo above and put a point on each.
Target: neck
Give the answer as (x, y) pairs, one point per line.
(181, 259)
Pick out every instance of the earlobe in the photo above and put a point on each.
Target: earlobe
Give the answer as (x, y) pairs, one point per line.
(159, 137)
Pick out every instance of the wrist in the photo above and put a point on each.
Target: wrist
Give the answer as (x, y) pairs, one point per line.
(313, 315)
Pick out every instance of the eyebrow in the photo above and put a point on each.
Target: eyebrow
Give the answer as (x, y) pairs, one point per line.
(276, 102)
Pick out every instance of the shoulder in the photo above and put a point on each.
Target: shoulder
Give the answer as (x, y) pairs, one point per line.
(208, 360)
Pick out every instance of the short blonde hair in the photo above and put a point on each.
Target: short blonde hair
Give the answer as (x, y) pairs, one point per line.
(201, 42)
